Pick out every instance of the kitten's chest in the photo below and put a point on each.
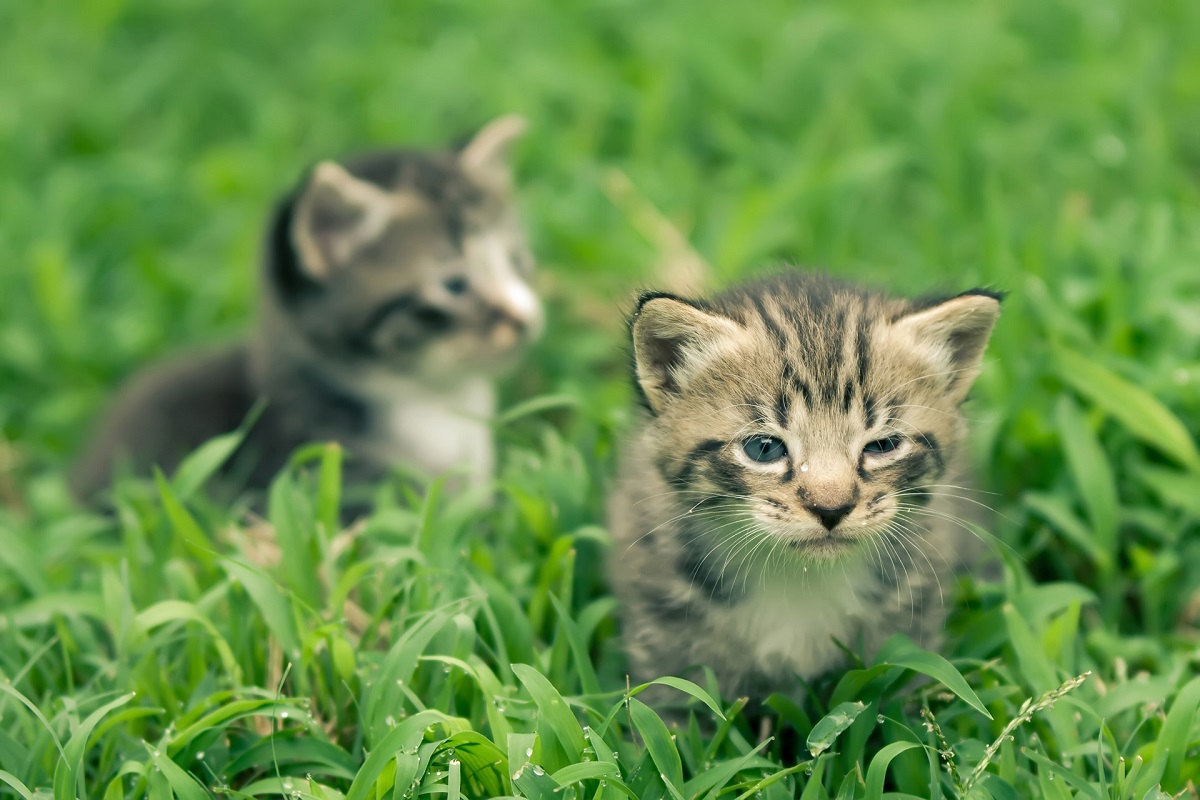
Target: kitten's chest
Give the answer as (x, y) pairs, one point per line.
(433, 430)
(788, 625)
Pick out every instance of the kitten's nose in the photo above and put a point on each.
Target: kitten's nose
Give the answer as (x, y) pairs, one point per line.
(830, 517)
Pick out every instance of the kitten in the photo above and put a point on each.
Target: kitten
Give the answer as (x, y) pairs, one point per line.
(394, 287)
(783, 491)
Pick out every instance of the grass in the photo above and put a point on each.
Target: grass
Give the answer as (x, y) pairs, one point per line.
(450, 648)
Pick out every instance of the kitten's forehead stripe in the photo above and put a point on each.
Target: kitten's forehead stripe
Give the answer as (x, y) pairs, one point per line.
(862, 348)
(773, 328)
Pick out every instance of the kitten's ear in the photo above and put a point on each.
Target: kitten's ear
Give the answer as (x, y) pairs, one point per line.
(487, 152)
(335, 213)
(673, 342)
(957, 332)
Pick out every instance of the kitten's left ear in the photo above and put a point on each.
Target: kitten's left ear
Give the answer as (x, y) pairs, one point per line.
(487, 152)
(957, 331)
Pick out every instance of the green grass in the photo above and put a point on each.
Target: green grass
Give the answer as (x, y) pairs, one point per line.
(446, 648)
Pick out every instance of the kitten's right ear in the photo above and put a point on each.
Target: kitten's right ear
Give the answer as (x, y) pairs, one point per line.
(335, 213)
(673, 342)
(486, 155)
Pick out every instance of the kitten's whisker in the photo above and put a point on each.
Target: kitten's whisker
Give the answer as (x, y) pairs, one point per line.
(931, 375)
(976, 531)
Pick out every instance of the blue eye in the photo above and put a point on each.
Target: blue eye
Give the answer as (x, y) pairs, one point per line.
(455, 285)
(882, 445)
(764, 448)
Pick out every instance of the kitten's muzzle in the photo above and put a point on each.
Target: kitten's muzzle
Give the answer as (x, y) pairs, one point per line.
(830, 517)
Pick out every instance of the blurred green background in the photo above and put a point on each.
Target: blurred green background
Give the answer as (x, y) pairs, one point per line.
(1046, 148)
(1050, 148)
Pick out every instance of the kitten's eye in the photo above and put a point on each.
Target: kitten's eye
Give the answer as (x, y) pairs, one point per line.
(883, 445)
(432, 318)
(764, 449)
(455, 285)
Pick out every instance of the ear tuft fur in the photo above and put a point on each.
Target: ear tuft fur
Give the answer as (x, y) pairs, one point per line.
(956, 331)
(673, 342)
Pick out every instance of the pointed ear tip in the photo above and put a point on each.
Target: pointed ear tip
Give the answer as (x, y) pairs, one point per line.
(512, 124)
(653, 294)
(992, 294)
(326, 172)
(649, 298)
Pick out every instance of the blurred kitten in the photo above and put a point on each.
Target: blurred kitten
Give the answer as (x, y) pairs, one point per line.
(395, 286)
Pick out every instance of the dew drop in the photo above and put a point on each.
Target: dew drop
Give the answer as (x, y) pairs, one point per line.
(200, 756)
(287, 784)
(879, 718)
(537, 770)
(528, 752)
(283, 715)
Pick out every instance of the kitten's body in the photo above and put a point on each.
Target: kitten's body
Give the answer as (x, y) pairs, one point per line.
(393, 289)
(758, 569)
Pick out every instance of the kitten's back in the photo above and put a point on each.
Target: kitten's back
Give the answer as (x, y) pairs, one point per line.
(164, 413)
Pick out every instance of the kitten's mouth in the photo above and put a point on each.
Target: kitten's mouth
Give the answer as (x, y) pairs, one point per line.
(813, 542)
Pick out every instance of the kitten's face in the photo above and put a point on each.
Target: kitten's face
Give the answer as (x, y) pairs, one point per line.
(415, 262)
(812, 413)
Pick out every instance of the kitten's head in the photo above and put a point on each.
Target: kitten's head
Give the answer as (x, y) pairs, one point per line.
(820, 409)
(409, 260)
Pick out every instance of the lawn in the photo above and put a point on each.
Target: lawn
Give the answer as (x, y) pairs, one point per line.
(450, 648)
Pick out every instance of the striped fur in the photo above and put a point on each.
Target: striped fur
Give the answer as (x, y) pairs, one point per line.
(759, 569)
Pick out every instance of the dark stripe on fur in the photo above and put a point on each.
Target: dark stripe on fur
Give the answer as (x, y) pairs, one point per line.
(862, 350)
(693, 459)
(935, 450)
(727, 475)
(869, 410)
(698, 568)
(776, 332)
(806, 392)
(669, 608)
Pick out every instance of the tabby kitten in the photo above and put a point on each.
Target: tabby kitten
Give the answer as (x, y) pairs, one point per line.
(783, 492)
(394, 287)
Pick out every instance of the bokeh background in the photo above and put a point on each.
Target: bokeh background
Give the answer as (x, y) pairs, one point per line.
(1050, 148)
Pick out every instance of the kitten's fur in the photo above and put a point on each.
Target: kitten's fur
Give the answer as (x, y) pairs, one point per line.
(393, 288)
(755, 568)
